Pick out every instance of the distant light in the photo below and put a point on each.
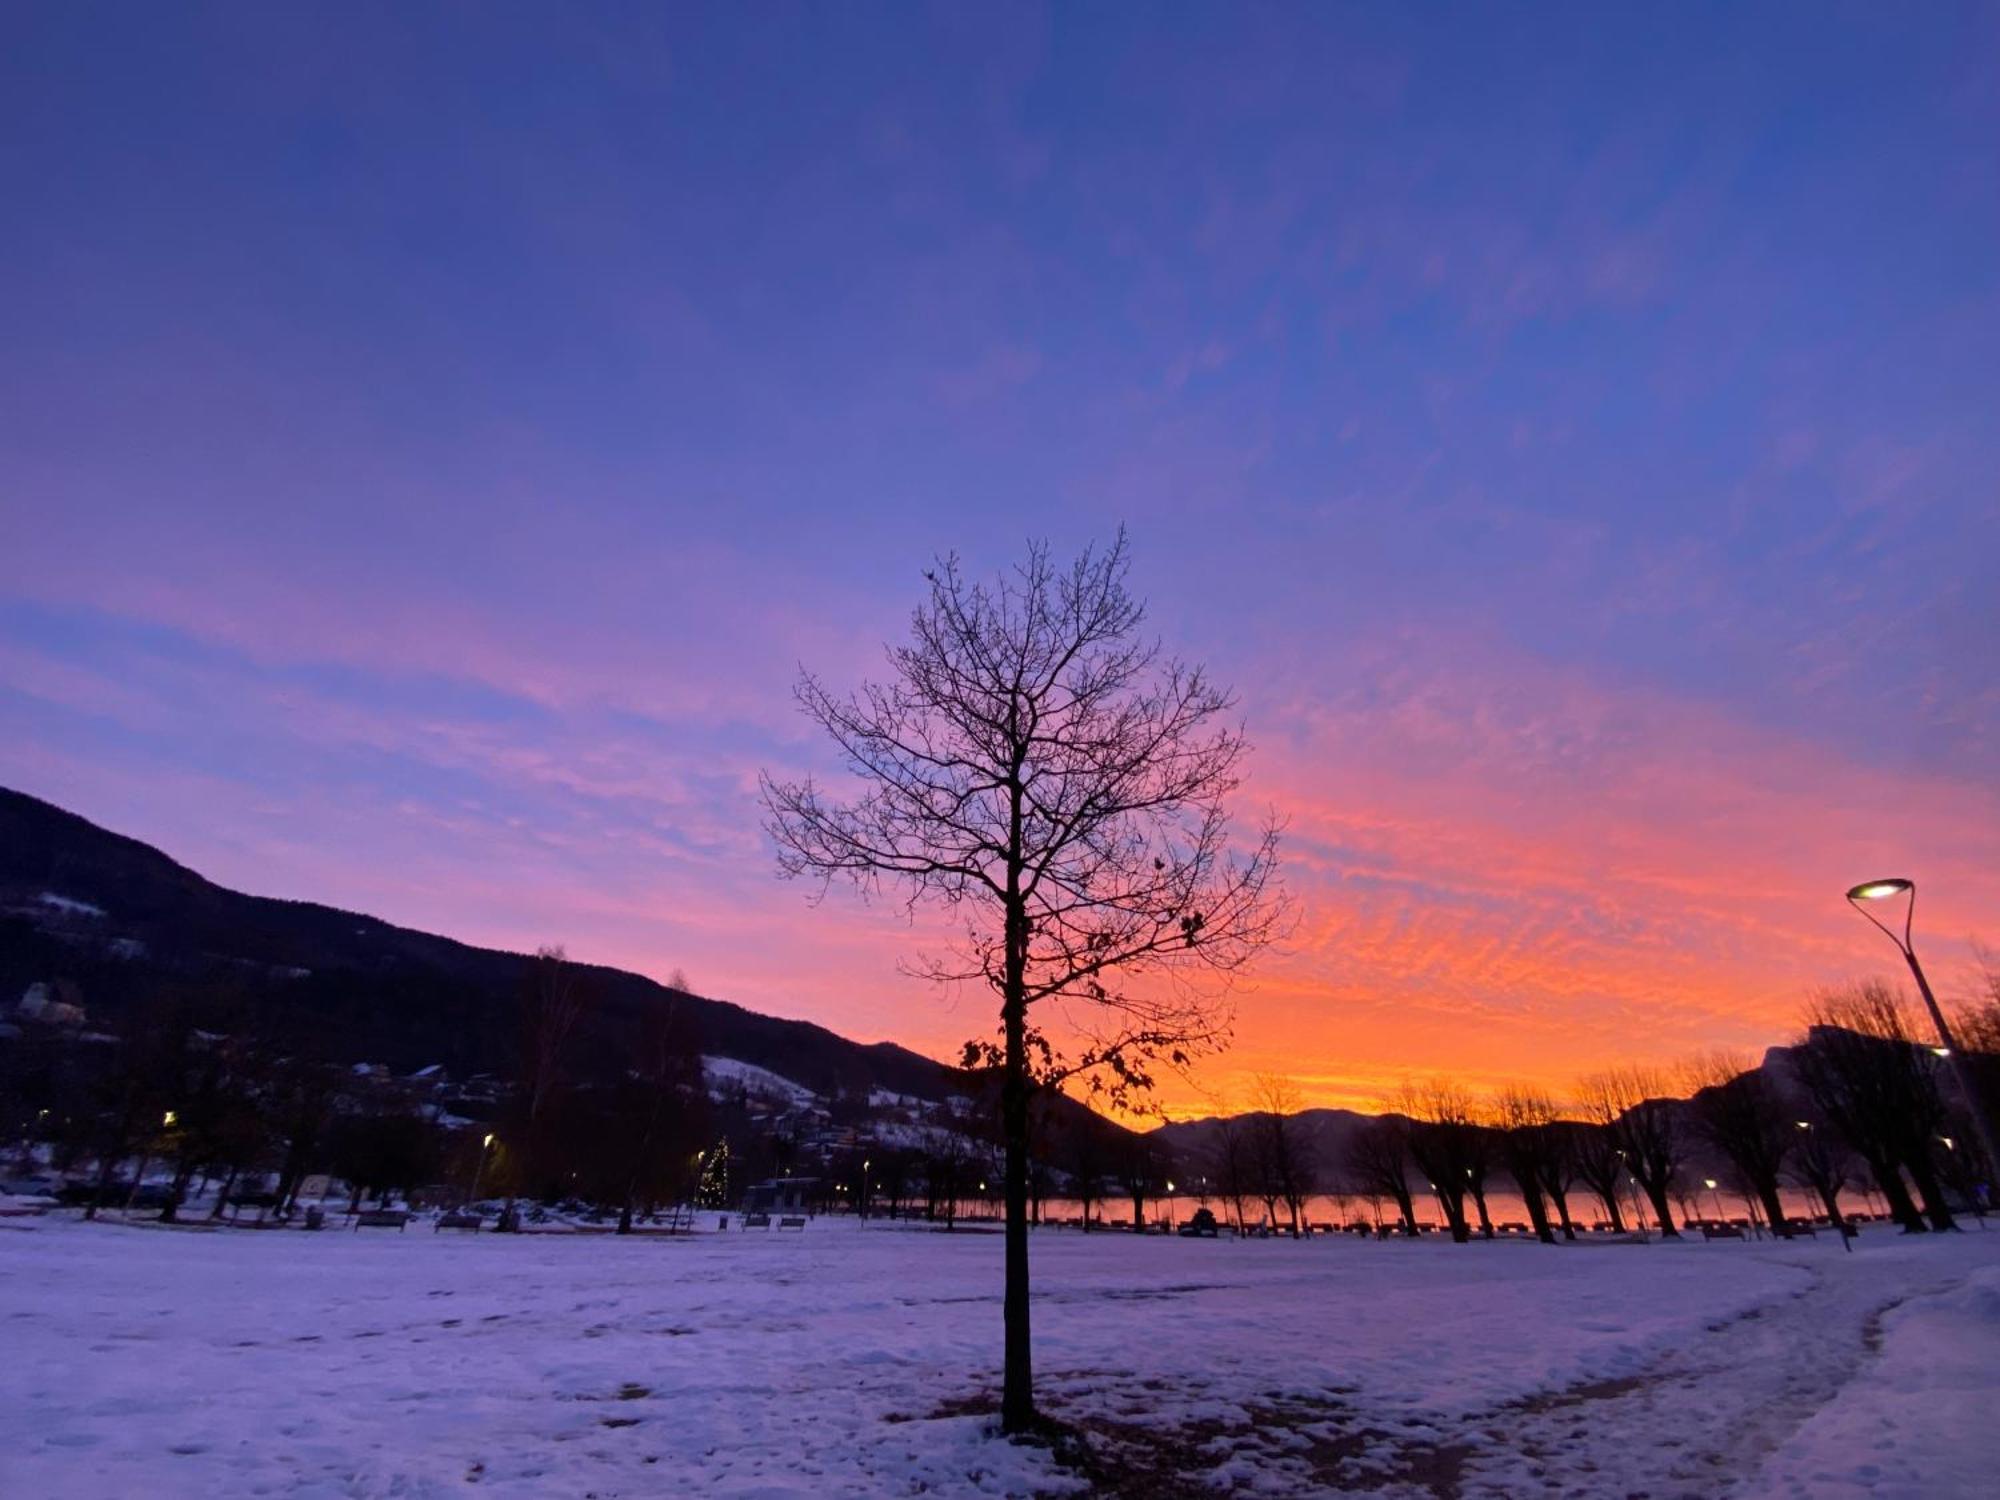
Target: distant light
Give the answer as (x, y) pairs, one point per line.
(1170, 1187)
(1804, 1124)
(488, 1141)
(1941, 1052)
(1877, 890)
(168, 1118)
(1947, 1143)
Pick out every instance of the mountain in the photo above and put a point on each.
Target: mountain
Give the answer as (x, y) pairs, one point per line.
(1327, 1133)
(108, 921)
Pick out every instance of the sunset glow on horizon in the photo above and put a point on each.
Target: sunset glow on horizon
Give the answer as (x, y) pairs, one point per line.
(427, 465)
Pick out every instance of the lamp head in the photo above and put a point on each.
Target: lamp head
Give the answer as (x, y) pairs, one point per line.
(1880, 890)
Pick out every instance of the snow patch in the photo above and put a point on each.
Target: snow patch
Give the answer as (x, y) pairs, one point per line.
(69, 905)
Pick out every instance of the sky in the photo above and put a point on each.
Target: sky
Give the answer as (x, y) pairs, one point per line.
(433, 438)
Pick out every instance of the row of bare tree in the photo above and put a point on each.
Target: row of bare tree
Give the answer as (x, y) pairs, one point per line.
(1860, 1097)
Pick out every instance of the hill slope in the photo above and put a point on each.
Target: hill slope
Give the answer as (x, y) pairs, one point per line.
(118, 920)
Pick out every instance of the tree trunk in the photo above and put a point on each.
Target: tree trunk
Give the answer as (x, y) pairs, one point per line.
(1656, 1194)
(1830, 1196)
(1931, 1192)
(1017, 1398)
(1406, 1206)
(1561, 1201)
(222, 1195)
(1538, 1213)
(1607, 1194)
(1774, 1209)
(106, 1165)
(1485, 1219)
(1902, 1207)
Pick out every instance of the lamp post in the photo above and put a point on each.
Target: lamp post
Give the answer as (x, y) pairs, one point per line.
(1886, 890)
(1716, 1197)
(479, 1171)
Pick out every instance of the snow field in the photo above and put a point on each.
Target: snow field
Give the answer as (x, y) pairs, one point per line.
(859, 1360)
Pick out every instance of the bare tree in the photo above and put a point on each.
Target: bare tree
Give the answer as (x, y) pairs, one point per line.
(1633, 1105)
(1737, 1111)
(1232, 1159)
(1594, 1148)
(1141, 1176)
(1285, 1169)
(1870, 1077)
(554, 999)
(1532, 1146)
(1823, 1161)
(1044, 771)
(1086, 1166)
(659, 1111)
(1378, 1165)
(1449, 1144)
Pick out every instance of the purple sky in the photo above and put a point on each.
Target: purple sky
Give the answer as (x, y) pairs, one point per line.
(427, 448)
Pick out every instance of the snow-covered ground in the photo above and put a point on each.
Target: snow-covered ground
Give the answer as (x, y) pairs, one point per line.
(860, 1360)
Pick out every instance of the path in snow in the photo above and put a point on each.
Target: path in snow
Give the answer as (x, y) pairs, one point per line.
(1703, 1419)
(1700, 1420)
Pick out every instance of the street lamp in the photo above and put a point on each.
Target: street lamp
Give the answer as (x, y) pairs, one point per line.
(485, 1145)
(1709, 1183)
(1860, 898)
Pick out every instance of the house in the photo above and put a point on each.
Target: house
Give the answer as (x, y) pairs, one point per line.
(789, 1194)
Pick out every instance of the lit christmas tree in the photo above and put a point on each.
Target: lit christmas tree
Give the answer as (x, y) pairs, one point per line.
(712, 1191)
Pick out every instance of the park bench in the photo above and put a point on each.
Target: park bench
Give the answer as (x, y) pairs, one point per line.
(381, 1218)
(1721, 1232)
(756, 1221)
(790, 1222)
(471, 1221)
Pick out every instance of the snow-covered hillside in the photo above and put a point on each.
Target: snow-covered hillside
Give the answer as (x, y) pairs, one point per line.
(724, 1073)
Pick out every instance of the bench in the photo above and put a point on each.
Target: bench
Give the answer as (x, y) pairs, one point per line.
(471, 1221)
(756, 1221)
(791, 1223)
(1721, 1232)
(381, 1218)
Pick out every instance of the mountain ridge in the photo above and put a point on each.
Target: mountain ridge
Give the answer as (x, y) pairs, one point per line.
(113, 917)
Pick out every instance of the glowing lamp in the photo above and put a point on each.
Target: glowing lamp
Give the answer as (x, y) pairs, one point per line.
(1879, 890)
